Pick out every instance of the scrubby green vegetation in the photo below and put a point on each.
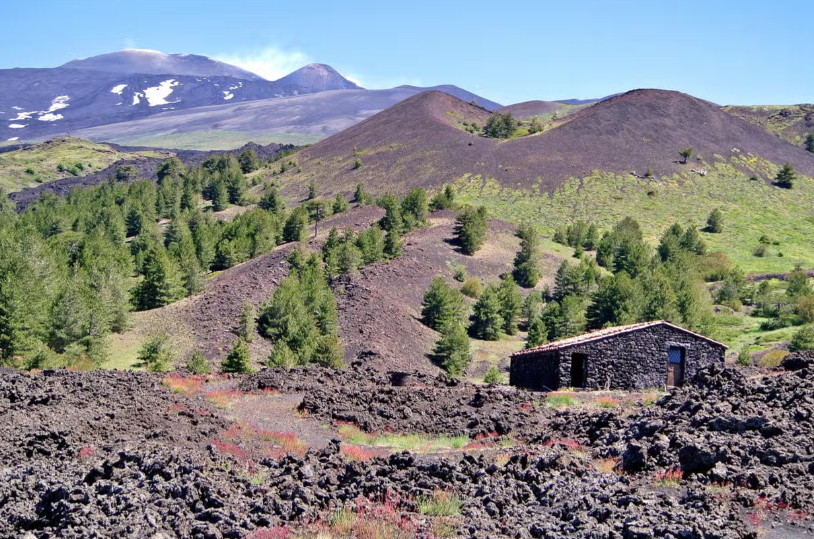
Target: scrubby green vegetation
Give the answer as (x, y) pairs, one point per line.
(603, 199)
(59, 158)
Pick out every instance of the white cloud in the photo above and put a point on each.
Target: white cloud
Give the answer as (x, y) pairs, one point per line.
(270, 63)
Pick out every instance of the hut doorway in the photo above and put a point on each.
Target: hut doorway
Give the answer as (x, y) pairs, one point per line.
(676, 357)
(578, 366)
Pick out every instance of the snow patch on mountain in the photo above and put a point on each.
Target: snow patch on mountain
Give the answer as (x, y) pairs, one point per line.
(50, 117)
(16, 126)
(227, 96)
(157, 95)
(118, 89)
(12, 139)
(23, 116)
(59, 102)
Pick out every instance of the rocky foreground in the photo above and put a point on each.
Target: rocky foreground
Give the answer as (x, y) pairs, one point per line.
(105, 454)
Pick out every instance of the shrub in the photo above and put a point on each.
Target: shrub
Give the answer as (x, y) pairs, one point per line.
(472, 288)
(197, 363)
(715, 221)
(155, 355)
(744, 357)
(803, 339)
(493, 376)
(441, 503)
(357, 164)
(559, 401)
(458, 272)
(773, 359)
(670, 478)
(238, 359)
(786, 177)
(761, 250)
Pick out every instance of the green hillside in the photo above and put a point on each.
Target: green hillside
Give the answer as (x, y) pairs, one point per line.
(752, 208)
(60, 158)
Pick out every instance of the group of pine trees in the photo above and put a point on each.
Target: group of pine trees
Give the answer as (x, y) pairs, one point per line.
(644, 284)
(68, 265)
(300, 319)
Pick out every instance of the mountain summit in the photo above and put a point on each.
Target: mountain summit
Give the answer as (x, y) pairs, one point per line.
(318, 78)
(158, 63)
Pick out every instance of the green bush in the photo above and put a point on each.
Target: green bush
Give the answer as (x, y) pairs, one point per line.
(493, 376)
(155, 355)
(197, 363)
(472, 288)
(803, 339)
(744, 357)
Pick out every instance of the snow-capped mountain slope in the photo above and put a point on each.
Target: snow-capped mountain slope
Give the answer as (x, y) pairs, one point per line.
(158, 63)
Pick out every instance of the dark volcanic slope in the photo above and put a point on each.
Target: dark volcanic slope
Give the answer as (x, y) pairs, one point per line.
(158, 63)
(419, 143)
(318, 78)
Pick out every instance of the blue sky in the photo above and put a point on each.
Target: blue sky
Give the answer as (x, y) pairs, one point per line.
(746, 52)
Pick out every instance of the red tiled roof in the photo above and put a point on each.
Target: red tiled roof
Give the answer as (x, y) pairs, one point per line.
(608, 332)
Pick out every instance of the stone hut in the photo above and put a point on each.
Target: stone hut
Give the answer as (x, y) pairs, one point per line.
(637, 356)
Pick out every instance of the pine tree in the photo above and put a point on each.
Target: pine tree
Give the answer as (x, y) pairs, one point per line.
(155, 355)
(371, 244)
(248, 160)
(810, 142)
(529, 258)
(442, 305)
(360, 196)
(340, 204)
(470, 229)
(282, 356)
(220, 195)
(238, 359)
(487, 321)
(616, 302)
(715, 221)
(786, 177)
(197, 363)
(296, 226)
(348, 258)
(443, 200)
(511, 303)
(591, 238)
(453, 349)
(392, 219)
(160, 285)
(414, 209)
(686, 154)
(247, 322)
(392, 244)
(493, 376)
(538, 334)
(271, 200)
(328, 352)
(312, 190)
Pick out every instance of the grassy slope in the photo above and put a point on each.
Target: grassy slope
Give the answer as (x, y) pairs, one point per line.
(44, 158)
(217, 140)
(789, 122)
(751, 209)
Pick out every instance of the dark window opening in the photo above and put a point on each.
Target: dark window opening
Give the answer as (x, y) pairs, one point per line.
(579, 363)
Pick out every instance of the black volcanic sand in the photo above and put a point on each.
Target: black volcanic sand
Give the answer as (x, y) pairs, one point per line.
(153, 471)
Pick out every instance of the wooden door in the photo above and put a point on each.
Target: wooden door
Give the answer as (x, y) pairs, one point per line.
(675, 366)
